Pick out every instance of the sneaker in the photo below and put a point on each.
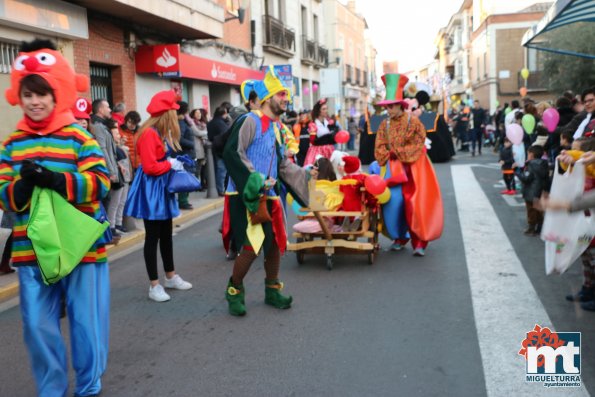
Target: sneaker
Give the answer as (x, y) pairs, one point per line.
(115, 233)
(419, 252)
(396, 247)
(176, 282)
(231, 255)
(121, 228)
(158, 294)
(186, 206)
(511, 192)
(505, 191)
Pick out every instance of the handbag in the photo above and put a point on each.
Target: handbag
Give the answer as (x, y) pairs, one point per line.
(182, 182)
(262, 213)
(397, 173)
(566, 235)
(61, 235)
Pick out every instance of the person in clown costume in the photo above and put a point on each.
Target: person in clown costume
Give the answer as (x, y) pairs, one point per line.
(255, 157)
(414, 210)
(49, 150)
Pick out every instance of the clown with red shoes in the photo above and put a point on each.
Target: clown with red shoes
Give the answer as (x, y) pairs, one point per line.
(414, 211)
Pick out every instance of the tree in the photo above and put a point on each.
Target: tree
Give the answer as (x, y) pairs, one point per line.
(566, 72)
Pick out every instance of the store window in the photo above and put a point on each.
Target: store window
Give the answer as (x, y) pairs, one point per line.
(101, 83)
(8, 53)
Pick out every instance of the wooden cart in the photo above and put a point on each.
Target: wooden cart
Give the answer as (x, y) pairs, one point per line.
(364, 240)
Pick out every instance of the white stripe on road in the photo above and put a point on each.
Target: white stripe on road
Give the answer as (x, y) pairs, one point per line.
(505, 303)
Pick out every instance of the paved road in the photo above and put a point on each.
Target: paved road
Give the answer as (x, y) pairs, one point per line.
(448, 324)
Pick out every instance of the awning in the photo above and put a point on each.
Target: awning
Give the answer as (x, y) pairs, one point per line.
(561, 14)
(166, 60)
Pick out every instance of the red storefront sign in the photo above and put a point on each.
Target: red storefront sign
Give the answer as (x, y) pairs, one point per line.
(168, 61)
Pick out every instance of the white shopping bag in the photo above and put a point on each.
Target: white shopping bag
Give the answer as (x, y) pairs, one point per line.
(566, 235)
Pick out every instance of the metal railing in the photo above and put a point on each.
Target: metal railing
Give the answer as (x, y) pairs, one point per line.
(309, 48)
(322, 56)
(278, 38)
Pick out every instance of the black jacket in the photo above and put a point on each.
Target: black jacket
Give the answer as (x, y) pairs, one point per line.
(216, 127)
(186, 139)
(535, 178)
(506, 156)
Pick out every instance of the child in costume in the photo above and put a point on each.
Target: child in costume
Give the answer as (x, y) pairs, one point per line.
(506, 162)
(49, 150)
(148, 198)
(254, 156)
(535, 179)
(321, 133)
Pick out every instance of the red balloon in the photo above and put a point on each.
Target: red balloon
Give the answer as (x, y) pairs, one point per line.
(375, 185)
(342, 137)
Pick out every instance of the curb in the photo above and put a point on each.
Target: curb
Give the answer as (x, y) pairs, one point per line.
(11, 290)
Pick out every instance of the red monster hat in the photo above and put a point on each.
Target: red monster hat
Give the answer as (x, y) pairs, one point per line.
(162, 102)
(82, 109)
(352, 164)
(53, 68)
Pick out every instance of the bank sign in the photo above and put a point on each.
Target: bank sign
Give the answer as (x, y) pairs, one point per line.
(167, 60)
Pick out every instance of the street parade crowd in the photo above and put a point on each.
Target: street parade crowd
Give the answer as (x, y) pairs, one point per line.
(106, 164)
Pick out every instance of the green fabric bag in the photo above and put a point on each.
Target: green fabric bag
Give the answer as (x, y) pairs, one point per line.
(61, 234)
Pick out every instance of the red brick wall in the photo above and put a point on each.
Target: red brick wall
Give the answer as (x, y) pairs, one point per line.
(106, 46)
(234, 33)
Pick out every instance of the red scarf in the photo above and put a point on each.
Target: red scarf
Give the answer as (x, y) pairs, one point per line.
(39, 125)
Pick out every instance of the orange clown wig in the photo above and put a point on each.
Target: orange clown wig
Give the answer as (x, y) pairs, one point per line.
(49, 64)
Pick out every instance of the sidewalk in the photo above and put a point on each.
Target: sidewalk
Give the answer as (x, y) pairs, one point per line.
(9, 284)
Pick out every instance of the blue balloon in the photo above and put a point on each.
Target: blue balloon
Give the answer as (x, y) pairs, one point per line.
(374, 168)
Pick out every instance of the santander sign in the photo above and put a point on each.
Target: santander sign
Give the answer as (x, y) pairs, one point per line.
(218, 73)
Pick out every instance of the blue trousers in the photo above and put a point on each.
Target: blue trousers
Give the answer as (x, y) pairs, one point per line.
(220, 173)
(87, 295)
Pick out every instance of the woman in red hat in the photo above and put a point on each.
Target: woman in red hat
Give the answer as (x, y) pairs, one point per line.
(148, 198)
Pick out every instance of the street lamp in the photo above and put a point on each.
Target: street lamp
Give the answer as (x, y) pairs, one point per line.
(242, 5)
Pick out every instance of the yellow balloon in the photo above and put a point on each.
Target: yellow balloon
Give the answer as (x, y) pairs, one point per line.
(453, 97)
(525, 73)
(384, 196)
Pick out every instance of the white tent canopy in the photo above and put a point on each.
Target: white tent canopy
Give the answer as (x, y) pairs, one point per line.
(560, 14)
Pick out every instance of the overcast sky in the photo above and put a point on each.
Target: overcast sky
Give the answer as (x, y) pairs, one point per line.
(404, 30)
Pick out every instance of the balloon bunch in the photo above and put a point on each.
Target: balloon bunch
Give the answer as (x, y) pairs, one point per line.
(375, 185)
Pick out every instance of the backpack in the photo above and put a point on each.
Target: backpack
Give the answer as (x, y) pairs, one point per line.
(220, 140)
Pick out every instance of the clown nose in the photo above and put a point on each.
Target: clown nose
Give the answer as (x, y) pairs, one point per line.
(31, 64)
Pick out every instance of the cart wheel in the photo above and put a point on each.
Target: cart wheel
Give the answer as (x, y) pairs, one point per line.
(299, 255)
(371, 257)
(329, 262)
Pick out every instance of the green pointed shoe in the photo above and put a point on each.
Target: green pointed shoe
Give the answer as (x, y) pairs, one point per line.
(273, 296)
(235, 299)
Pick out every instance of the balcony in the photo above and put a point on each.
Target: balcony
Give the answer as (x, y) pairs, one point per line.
(309, 47)
(277, 38)
(537, 81)
(322, 56)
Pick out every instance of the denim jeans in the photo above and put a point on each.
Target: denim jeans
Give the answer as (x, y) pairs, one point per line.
(220, 172)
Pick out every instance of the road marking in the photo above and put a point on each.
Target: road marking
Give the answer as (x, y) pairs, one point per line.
(505, 308)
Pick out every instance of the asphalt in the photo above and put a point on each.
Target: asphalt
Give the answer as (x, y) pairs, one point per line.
(9, 283)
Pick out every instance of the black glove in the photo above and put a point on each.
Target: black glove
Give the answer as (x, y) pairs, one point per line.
(39, 175)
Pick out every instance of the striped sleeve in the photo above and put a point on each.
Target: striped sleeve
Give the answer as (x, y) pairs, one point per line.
(8, 178)
(91, 181)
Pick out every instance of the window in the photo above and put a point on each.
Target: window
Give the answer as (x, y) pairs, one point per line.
(281, 10)
(485, 65)
(534, 60)
(101, 83)
(315, 23)
(305, 21)
(8, 52)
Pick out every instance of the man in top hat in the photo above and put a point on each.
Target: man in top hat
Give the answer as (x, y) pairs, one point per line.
(415, 208)
(255, 157)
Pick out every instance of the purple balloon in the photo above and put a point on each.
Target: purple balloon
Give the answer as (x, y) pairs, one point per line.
(551, 118)
(514, 133)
